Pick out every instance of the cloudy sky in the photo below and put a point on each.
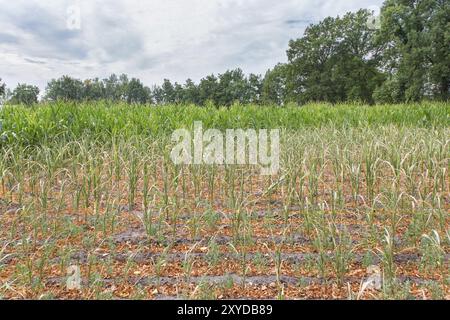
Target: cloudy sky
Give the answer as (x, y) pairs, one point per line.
(153, 39)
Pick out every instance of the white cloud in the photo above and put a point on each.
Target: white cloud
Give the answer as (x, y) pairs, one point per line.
(153, 39)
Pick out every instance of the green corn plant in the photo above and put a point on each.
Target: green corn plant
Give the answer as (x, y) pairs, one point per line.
(341, 252)
(433, 255)
(387, 254)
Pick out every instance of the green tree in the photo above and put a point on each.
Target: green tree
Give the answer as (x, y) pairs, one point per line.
(122, 87)
(137, 93)
(157, 95)
(93, 89)
(255, 87)
(336, 60)
(168, 92)
(110, 87)
(64, 88)
(24, 94)
(274, 85)
(178, 93)
(191, 93)
(209, 90)
(2, 88)
(439, 56)
(232, 87)
(416, 34)
(113, 88)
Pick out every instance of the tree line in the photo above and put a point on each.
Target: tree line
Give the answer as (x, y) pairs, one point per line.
(402, 57)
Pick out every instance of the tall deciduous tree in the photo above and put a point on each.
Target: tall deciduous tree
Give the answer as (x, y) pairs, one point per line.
(137, 93)
(255, 85)
(25, 94)
(168, 91)
(232, 88)
(178, 93)
(111, 87)
(336, 60)
(64, 88)
(191, 92)
(274, 85)
(2, 88)
(209, 90)
(417, 54)
(93, 89)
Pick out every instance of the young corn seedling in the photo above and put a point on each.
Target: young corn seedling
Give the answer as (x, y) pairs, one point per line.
(211, 182)
(371, 163)
(159, 264)
(188, 264)
(320, 245)
(387, 255)
(212, 219)
(341, 254)
(213, 253)
(242, 254)
(433, 255)
(147, 221)
(133, 167)
(278, 261)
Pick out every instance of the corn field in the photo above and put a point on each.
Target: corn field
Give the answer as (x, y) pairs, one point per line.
(363, 193)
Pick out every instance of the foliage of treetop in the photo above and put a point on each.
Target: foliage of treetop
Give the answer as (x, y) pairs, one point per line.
(405, 59)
